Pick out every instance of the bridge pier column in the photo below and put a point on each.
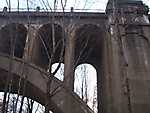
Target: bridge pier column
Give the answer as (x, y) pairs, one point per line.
(100, 91)
(69, 70)
(130, 59)
(69, 62)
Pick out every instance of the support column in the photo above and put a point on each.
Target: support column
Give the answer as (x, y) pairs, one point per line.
(129, 57)
(69, 62)
(69, 70)
(100, 90)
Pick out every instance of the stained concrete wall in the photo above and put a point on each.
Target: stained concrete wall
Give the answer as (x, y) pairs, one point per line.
(123, 66)
(129, 65)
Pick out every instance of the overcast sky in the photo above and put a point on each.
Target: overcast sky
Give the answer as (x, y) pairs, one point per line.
(93, 5)
(97, 5)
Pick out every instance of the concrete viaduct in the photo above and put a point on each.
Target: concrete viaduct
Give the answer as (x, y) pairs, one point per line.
(118, 48)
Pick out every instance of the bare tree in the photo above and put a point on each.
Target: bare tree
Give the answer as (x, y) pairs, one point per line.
(94, 103)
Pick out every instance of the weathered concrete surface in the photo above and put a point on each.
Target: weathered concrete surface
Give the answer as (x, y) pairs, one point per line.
(130, 64)
(123, 69)
(76, 23)
(138, 71)
(36, 86)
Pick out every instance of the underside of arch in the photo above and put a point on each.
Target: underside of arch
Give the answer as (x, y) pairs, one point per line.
(90, 40)
(48, 37)
(13, 39)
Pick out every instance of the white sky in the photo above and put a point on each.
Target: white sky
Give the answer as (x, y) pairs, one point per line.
(91, 76)
(93, 5)
(97, 5)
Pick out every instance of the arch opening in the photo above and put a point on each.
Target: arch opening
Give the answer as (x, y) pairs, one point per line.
(13, 39)
(90, 43)
(85, 85)
(48, 49)
(89, 39)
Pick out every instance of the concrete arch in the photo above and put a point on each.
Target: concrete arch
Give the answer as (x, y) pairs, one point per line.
(13, 34)
(44, 45)
(93, 54)
(91, 36)
(36, 86)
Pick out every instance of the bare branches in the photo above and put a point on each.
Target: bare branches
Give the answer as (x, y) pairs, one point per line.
(49, 6)
(28, 5)
(44, 4)
(63, 5)
(82, 51)
(30, 105)
(9, 5)
(85, 4)
(18, 5)
(9, 80)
